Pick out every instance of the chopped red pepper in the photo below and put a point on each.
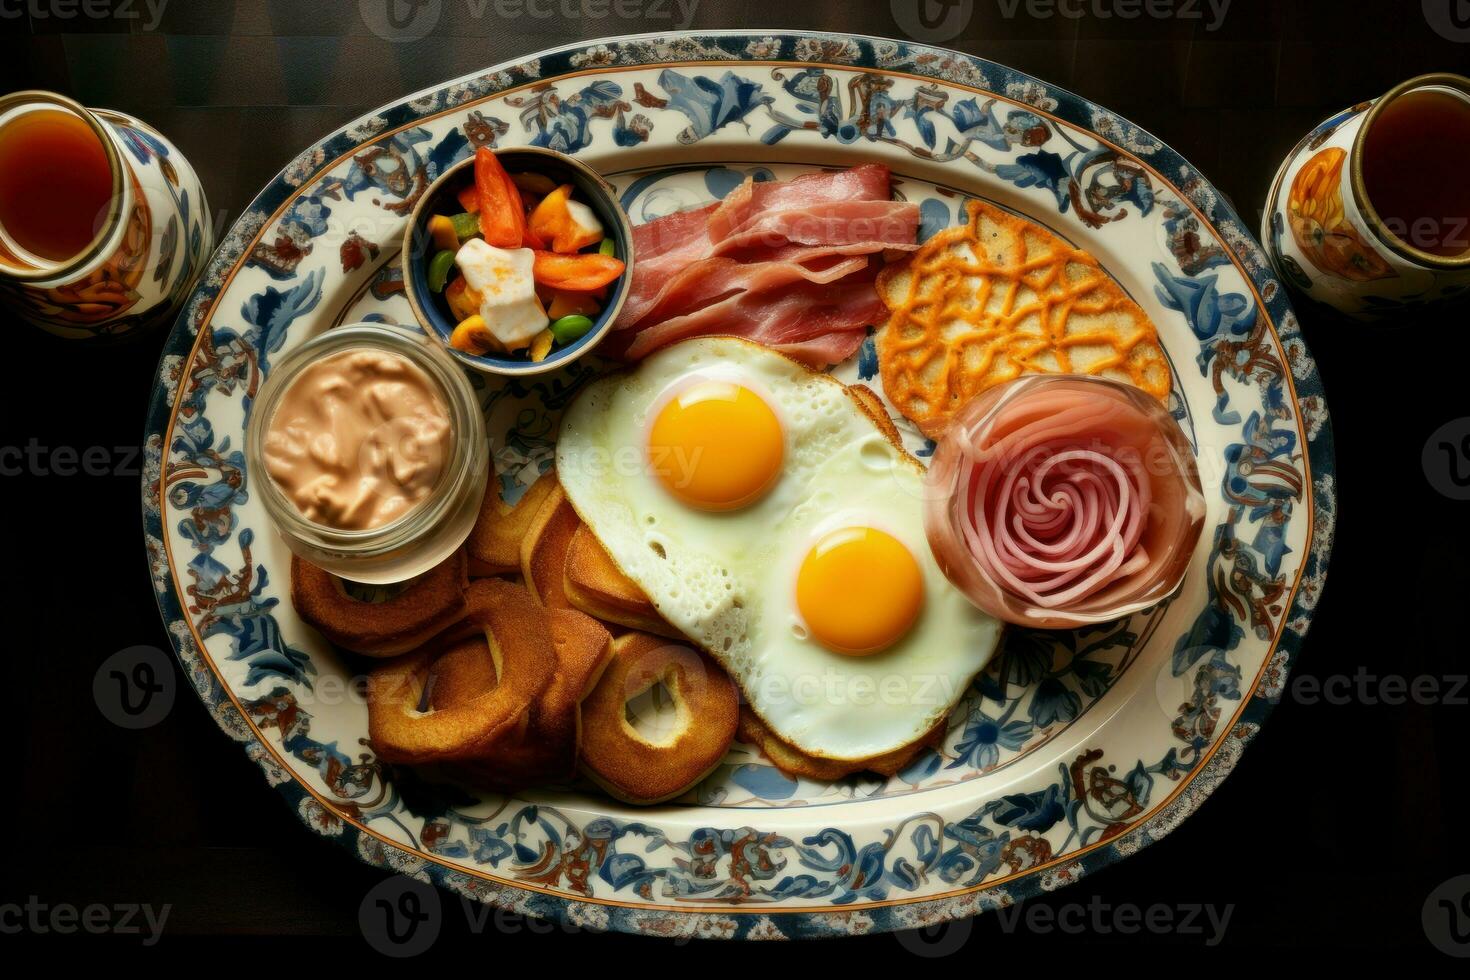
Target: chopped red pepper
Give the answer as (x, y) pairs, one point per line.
(582, 273)
(469, 198)
(502, 216)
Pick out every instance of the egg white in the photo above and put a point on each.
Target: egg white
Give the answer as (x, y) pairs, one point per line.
(727, 580)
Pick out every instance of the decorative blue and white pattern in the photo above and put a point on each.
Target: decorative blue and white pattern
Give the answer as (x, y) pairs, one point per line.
(1031, 788)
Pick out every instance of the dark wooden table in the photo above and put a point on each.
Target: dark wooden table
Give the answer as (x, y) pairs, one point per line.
(1331, 833)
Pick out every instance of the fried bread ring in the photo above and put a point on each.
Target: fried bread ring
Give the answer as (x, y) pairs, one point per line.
(517, 639)
(544, 547)
(494, 544)
(547, 752)
(622, 761)
(794, 762)
(430, 603)
(594, 584)
(464, 671)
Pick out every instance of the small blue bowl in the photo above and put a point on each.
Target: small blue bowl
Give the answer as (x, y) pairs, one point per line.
(441, 197)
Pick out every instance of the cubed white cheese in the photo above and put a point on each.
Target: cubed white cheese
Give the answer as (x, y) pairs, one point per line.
(584, 217)
(503, 280)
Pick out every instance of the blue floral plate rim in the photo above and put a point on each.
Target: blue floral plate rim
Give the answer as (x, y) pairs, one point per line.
(839, 53)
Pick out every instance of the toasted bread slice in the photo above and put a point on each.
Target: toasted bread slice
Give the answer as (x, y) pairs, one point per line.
(544, 548)
(794, 762)
(494, 544)
(594, 584)
(870, 403)
(986, 301)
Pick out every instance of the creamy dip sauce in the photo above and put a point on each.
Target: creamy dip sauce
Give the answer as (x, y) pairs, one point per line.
(358, 439)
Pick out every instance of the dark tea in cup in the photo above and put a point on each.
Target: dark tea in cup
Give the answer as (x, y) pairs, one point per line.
(55, 183)
(103, 223)
(1416, 169)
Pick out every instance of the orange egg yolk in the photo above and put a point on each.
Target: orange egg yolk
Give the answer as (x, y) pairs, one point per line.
(859, 590)
(716, 446)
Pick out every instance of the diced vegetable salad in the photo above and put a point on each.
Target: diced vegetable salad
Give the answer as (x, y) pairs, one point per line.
(525, 268)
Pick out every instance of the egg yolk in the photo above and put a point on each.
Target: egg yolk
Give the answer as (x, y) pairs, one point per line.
(717, 446)
(859, 590)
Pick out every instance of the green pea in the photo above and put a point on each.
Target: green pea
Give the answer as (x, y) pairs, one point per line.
(608, 247)
(570, 328)
(439, 267)
(466, 225)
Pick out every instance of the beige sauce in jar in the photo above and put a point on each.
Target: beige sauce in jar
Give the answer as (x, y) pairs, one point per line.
(358, 439)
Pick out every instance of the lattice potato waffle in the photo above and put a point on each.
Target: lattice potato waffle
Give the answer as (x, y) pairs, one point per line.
(984, 302)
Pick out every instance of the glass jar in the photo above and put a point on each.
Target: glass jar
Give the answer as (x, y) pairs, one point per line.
(1075, 425)
(431, 529)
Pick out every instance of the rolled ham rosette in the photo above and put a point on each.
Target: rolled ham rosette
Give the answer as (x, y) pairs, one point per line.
(1061, 500)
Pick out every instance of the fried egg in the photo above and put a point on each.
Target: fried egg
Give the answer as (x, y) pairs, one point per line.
(769, 518)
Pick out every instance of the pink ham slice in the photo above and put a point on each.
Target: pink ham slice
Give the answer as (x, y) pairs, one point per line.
(780, 234)
(878, 224)
(868, 182)
(718, 278)
(817, 323)
(1059, 500)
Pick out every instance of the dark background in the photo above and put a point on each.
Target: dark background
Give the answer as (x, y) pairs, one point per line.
(1341, 817)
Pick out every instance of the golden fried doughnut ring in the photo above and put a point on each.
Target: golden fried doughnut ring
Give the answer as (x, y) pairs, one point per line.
(494, 544)
(623, 762)
(547, 752)
(595, 584)
(430, 603)
(463, 672)
(544, 548)
(794, 762)
(517, 640)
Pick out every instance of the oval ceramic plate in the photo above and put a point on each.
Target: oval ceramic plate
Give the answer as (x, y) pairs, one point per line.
(1070, 751)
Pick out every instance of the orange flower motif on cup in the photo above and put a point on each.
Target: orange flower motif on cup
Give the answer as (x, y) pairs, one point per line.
(1320, 227)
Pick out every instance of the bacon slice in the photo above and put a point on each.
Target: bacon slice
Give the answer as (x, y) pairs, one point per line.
(783, 263)
(879, 224)
(868, 182)
(717, 278)
(797, 319)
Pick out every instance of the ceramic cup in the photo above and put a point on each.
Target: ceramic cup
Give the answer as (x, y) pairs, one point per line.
(148, 247)
(1325, 236)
